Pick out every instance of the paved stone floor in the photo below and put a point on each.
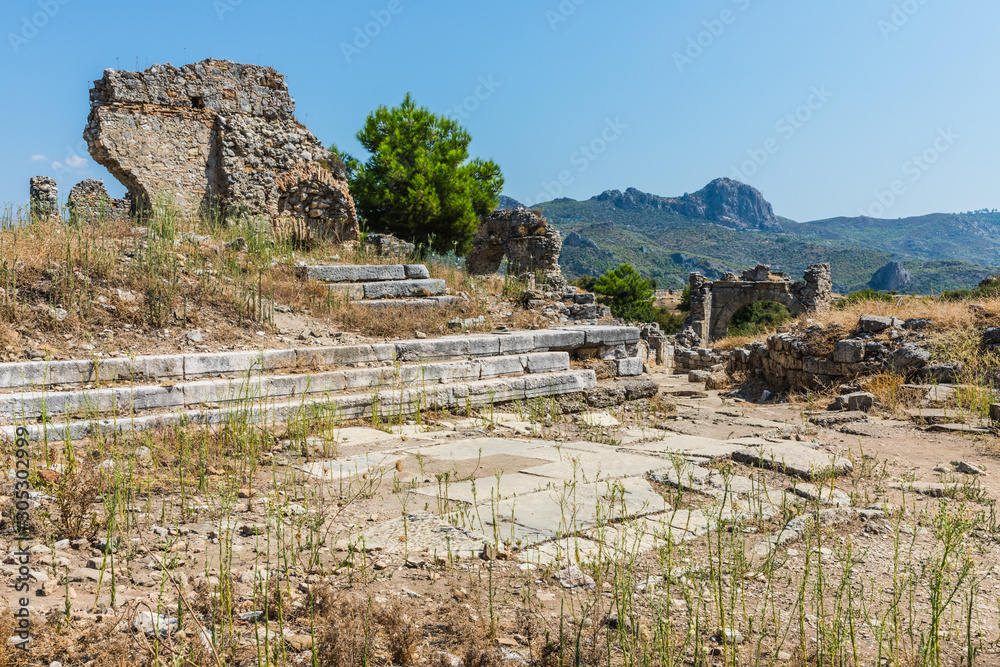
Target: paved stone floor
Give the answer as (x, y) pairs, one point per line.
(552, 498)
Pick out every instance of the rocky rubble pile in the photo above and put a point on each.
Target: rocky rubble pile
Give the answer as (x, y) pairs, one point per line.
(817, 357)
(566, 305)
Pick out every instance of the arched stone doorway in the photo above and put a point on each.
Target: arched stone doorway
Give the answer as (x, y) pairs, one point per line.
(713, 303)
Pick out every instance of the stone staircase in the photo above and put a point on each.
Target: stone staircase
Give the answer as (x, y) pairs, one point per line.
(382, 285)
(72, 400)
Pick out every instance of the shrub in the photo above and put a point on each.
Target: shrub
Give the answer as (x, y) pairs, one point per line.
(866, 294)
(759, 317)
(419, 182)
(630, 297)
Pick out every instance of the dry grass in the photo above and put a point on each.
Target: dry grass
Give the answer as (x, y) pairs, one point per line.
(947, 315)
(107, 273)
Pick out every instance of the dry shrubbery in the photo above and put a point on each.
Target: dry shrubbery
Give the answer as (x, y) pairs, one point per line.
(947, 315)
(104, 273)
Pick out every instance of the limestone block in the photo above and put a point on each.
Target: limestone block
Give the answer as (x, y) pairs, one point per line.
(559, 339)
(348, 290)
(546, 362)
(517, 342)
(355, 273)
(498, 366)
(849, 351)
(416, 271)
(631, 367)
(856, 402)
(403, 288)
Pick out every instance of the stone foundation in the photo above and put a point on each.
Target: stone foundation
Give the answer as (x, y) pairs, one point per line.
(700, 359)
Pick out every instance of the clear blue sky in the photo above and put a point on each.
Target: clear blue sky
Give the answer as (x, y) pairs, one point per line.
(887, 80)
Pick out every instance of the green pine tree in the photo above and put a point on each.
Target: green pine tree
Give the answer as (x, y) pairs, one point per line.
(419, 183)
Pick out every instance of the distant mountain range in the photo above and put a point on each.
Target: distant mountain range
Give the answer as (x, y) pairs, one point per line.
(730, 226)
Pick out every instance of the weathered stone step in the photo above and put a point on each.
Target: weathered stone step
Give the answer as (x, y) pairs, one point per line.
(429, 302)
(364, 273)
(127, 400)
(390, 289)
(605, 342)
(393, 402)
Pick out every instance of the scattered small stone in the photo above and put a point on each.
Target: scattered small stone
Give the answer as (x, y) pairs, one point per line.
(729, 636)
(151, 623)
(967, 468)
(299, 643)
(253, 616)
(573, 577)
(239, 244)
(250, 530)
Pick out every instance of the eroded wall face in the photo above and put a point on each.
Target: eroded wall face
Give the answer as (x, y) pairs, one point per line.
(157, 153)
(530, 244)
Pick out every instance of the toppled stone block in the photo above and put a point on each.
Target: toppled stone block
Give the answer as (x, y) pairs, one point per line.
(995, 412)
(991, 336)
(387, 244)
(717, 381)
(944, 373)
(529, 242)
(917, 324)
(631, 367)
(910, 358)
(217, 137)
(849, 351)
(857, 402)
(875, 324)
(699, 376)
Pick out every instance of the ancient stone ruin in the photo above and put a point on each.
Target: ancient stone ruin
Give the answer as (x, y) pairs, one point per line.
(44, 197)
(217, 138)
(89, 200)
(530, 244)
(713, 303)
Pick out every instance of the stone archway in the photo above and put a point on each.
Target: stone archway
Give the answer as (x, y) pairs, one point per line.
(721, 317)
(713, 303)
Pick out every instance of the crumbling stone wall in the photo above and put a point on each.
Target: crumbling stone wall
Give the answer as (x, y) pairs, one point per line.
(529, 242)
(90, 200)
(713, 303)
(217, 137)
(815, 357)
(43, 193)
(700, 359)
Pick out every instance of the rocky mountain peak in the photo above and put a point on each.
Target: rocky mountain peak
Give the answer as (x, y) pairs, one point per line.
(724, 201)
(890, 278)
